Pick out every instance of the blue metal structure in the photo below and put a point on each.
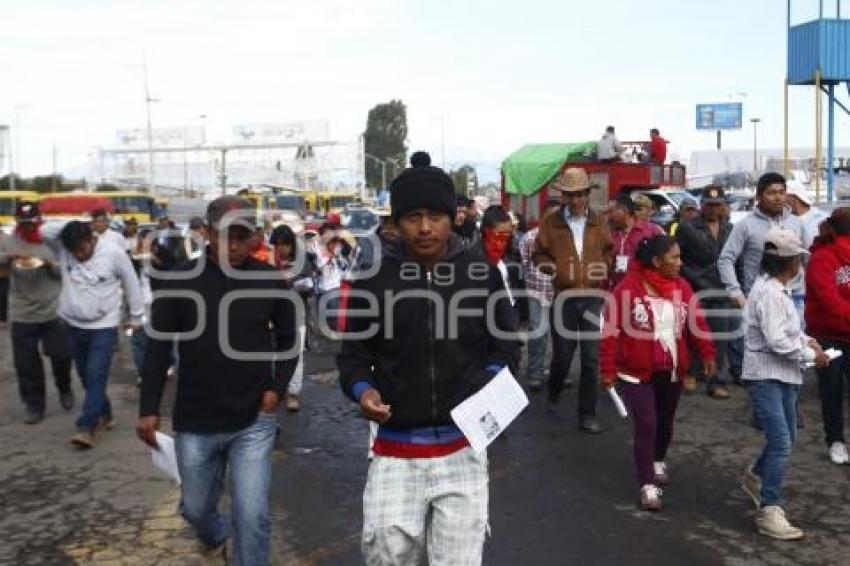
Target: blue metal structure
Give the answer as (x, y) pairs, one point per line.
(819, 55)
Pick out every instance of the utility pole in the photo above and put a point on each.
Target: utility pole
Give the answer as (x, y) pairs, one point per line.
(443, 142)
(755, 122)
(148, 101)
(223, 175)
(53, 186)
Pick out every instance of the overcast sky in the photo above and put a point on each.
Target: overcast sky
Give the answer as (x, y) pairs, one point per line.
(501, 73)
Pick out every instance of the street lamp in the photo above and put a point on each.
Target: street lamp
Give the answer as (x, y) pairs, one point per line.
(755, 122)
(185, 151)
(383, 169)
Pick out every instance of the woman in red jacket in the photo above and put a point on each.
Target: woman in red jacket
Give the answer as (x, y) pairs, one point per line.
(651, 320)
(828, 321)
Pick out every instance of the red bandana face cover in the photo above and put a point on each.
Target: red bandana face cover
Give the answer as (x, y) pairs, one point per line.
(495, 244)
(29, 236)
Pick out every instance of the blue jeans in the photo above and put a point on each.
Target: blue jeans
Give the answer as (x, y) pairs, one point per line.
(92, 352)
(536, 346)
(203, 460)
(774, 403)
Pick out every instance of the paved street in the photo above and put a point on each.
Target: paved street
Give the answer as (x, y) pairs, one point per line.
(557, 497)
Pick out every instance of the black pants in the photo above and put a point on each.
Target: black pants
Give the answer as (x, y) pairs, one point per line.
(718, 325)
(4, 298)
(577, 315)
(832, 381)
(28, 364)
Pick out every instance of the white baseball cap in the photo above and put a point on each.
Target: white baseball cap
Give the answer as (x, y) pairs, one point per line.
(795, 188)
(786, 243)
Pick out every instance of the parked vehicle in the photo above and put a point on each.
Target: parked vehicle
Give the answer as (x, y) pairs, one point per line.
(528, 172)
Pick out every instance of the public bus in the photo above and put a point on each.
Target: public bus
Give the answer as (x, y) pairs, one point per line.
(9, 202)
(328, 202)
(271, 204)
(133, 204)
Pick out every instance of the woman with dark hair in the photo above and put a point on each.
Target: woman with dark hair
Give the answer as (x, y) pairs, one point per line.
(775, 349)
(297, 276)
(828, 321)
(649, 327)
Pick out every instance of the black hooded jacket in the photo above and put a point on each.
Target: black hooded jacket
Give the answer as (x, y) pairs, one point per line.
(430, 346)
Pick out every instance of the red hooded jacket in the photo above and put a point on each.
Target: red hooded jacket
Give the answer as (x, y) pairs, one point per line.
(627, 344)
(828, 291)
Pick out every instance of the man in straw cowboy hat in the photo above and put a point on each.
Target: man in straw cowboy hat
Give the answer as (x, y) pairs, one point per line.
(574, 245)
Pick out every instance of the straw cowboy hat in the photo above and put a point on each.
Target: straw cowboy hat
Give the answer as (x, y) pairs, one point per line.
(573, 180)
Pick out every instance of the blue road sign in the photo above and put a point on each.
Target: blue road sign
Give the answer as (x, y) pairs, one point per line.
(724, 116)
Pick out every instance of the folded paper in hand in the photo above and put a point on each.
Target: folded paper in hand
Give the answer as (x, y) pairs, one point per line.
(484, 416)
(166, 458)
(832, 353)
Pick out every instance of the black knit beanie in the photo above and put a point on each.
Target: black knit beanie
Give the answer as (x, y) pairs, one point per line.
(422, 187)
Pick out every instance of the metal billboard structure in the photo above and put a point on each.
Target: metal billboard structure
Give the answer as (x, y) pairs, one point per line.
(719, 116)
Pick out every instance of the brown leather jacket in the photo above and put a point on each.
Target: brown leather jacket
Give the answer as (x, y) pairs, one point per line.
(555, 244)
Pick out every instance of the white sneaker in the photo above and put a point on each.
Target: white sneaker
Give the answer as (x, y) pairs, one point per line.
(650, 498)
(751, 484)
(838, 453)
(660, 470)
(771, 521)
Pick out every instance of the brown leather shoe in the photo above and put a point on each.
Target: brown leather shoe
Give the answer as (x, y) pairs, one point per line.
(689, 383)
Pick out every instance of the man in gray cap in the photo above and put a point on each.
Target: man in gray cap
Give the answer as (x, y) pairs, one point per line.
(233, 373)
(700, 242)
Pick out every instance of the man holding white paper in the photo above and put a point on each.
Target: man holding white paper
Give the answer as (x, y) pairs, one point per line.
(419, 342)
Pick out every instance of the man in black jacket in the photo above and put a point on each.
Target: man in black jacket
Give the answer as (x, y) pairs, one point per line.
(418, 342)
(233, 373)
(700, 242)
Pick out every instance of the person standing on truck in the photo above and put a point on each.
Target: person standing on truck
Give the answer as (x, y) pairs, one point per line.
(657, 147)
(609, 147)
(575, 245)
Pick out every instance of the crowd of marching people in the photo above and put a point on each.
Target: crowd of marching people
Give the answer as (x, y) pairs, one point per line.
(649, 312)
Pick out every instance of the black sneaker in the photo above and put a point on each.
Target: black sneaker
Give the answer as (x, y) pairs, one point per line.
(33, 417)
(66, 400)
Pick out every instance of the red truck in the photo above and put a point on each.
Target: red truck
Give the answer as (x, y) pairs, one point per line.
(528, 172)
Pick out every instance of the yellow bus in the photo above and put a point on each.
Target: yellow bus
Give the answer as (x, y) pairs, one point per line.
(132, 204)
(9, 202)
(327, 202)
(270, 203)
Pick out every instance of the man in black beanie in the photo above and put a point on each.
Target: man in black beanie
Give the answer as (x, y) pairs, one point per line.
(427, 492)
(420, 159)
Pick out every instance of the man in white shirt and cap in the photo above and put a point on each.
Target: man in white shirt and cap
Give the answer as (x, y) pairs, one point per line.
(801, 206)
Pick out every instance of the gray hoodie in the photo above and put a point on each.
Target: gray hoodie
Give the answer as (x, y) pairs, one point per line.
(746, 242)
(33, 293)
(91, 295)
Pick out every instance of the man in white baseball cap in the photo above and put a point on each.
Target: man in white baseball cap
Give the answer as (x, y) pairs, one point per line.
(801, 205)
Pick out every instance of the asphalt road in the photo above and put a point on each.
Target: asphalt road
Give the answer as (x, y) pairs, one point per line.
(557, 496)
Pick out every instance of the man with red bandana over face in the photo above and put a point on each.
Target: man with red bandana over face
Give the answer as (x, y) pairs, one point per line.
(34, 298)
(496, 238)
